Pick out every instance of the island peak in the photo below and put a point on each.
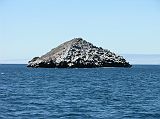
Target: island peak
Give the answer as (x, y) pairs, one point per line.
(78, 53)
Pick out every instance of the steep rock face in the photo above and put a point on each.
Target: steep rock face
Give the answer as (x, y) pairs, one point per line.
(78, 53)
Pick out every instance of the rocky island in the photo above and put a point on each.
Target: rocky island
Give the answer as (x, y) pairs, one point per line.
(78, 53)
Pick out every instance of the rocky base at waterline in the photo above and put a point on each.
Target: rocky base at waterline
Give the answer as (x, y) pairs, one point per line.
(78, 53)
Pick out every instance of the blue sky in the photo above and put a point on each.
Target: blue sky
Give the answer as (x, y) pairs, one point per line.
(31, 28)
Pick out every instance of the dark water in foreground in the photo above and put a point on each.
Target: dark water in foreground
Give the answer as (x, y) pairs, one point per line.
(101, 93)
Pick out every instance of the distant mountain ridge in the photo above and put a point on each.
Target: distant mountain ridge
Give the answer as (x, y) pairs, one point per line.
(145, 59)
(78, 53)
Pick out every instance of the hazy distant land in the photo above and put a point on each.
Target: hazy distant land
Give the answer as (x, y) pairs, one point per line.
(143, 58)
(132, 58)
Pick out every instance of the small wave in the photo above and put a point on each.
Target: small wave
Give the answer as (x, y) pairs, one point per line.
(2, 73)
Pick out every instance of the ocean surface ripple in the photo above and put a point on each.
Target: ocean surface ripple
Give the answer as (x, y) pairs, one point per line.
(95, 93)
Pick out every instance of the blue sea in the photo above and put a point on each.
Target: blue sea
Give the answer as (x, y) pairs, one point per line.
(94, 93)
